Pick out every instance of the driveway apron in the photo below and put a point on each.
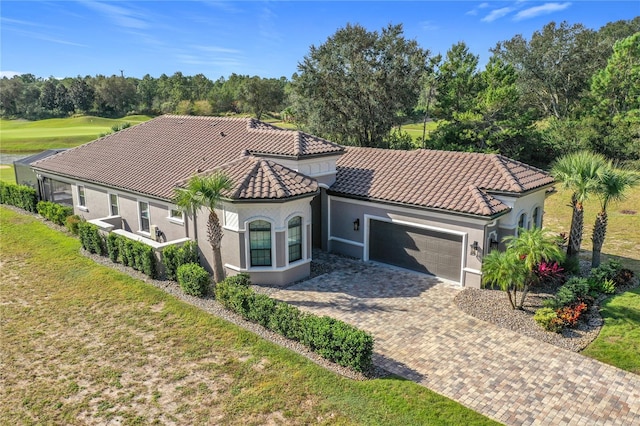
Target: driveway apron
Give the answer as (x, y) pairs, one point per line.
(421, 335)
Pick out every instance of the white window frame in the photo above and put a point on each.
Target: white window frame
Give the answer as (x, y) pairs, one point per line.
(247, 227)
(117, 204)
(174, 219)
(140, 217)
(81, 192)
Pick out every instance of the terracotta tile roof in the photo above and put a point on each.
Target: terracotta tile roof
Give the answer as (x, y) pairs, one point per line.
(151, 157)
(259, 179)
(453, 181)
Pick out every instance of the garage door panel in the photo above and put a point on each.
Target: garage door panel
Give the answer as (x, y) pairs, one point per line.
(414, 248)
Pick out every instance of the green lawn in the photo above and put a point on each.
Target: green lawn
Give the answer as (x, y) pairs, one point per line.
(82, 343)
(21, 136)
(619, 341)
(7, 173)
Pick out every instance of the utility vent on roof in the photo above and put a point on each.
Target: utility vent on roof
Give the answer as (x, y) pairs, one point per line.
(222, 134)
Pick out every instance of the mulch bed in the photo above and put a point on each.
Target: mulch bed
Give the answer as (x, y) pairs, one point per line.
(494, 307)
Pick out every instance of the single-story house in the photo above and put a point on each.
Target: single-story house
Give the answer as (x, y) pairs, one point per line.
(431, 211)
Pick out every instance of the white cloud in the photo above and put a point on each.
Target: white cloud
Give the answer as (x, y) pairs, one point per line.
(9, 74)
(123, 17)
(544, 9)
(476, 9)
(497, 14)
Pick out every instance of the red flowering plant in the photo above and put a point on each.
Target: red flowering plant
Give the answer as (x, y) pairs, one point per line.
(549, 273)
(570, 315)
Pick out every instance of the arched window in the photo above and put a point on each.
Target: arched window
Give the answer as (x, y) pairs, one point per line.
(294, 237)
(535, 218)
(260, 243)
(521, 223)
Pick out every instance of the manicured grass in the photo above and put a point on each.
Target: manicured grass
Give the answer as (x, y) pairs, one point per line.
(20, 136)
(7, 173)
(623, 232)
(619, 340)
(82, 343)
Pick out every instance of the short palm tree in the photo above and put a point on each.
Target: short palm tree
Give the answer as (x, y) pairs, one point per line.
(513, 269)
(612, 187)
(532, 247)
(579, 172)
(505, 270)
(206, 191)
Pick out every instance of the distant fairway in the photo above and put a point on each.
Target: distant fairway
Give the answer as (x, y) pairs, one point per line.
(22, 136)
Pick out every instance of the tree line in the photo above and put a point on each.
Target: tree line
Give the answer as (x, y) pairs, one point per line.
(27, 96)
(565, 89)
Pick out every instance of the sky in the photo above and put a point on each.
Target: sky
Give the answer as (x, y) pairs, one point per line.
(265, 38)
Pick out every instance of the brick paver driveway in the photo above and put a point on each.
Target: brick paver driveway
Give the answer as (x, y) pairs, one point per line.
(420, 334)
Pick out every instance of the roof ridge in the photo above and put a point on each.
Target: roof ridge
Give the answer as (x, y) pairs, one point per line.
(297, 143)
(273, 177)
(514, 185)
(480, 198)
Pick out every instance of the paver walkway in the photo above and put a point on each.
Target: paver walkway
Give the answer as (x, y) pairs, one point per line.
(420, 334)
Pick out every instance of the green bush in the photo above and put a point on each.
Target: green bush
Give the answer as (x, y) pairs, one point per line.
(260, 308)
(56, 213)
(91, 239)
(330, 338)
(20, 196)
(193, 279)
(134, 254)
(242, 279)
(608, 286)
(548, 319)
(174, 256)
(574, 289)
(113, 246)
(285, 320)
(72, 223)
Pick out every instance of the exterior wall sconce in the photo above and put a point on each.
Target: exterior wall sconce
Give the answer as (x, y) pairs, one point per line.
(475, 248)
(356, 224)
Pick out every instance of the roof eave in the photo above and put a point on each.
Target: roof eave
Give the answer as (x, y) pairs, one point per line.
(270, 200)
(417, 207)
(295, 157)
(518, 194)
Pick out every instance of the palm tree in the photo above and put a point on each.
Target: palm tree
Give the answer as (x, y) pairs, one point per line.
(579, 172)
(504, 270)
(611, 188)
(532, 247)
(206, 191)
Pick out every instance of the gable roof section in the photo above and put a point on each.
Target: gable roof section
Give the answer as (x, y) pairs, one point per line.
(454, 181)
(151, 157)
(260, 180)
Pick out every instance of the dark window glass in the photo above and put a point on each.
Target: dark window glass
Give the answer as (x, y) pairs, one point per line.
(260, 243)
(295, 239)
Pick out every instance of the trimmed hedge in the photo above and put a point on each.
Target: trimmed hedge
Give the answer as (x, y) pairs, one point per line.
(134, 254)
(193, 279)
(20, 196)
(91, 239)
(56, 213)
(332, 339)
(173, 257)
(72, 223)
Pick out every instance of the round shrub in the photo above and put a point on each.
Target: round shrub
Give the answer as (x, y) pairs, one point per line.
(548, 319)
(193, 279)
